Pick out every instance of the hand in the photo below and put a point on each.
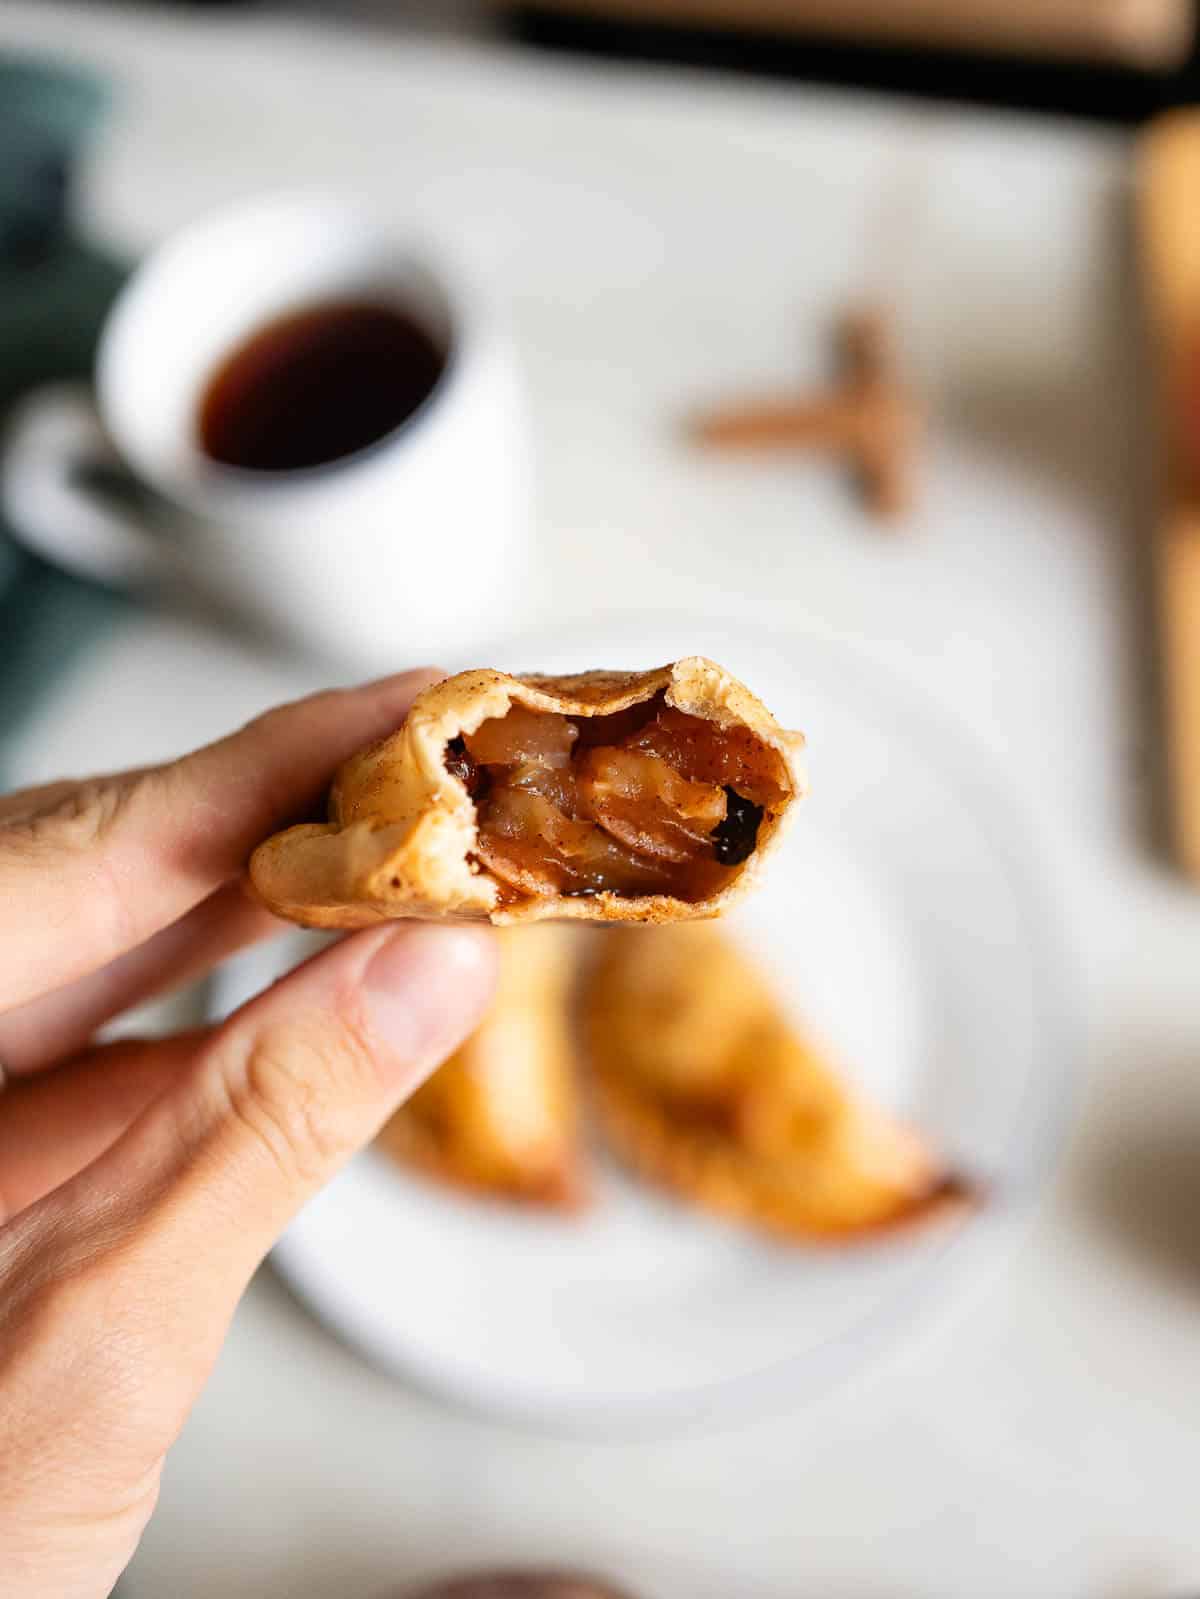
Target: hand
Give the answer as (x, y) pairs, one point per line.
(142, 1182)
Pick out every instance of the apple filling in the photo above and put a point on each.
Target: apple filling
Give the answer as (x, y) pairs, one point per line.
(643, 801)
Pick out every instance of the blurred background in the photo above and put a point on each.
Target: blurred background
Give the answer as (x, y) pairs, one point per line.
(850, 342)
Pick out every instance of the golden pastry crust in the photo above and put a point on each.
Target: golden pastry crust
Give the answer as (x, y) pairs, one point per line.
(501, 1116)
(402, 830)
(702, 1085)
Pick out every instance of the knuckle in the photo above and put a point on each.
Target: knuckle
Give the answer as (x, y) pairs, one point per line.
(297, 1092)
(57, 1269)
(77, 820)
(77, 1339)
(82, 822)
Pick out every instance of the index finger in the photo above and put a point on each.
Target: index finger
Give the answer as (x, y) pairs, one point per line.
(89, 870)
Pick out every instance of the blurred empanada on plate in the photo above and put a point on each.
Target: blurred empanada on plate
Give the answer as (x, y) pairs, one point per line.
(702, 1084)
(501, 1116)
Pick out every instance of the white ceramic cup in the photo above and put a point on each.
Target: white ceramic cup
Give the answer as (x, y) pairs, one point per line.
(386, 554)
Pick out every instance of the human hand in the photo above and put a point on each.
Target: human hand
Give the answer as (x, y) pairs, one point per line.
(141, 1182)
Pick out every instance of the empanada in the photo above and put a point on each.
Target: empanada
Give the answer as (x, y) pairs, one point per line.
(607, 796)
(501, 1116)
(703, 1085)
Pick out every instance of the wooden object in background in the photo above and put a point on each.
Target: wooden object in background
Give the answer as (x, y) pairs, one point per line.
(871, 418)
(1169, 232)
(1153, 34)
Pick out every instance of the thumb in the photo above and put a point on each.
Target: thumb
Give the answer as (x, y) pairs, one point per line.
(292, 1084)
(117, 1288)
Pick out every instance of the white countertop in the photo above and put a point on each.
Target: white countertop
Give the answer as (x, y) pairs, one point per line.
(659, 239)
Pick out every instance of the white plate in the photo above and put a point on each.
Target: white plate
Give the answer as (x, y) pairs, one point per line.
(902, 918)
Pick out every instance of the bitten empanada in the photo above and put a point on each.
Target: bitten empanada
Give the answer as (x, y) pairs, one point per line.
(703, 1085)
(502, 1116)
(607, 796)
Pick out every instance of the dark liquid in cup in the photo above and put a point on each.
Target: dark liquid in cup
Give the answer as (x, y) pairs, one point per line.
(316, 385)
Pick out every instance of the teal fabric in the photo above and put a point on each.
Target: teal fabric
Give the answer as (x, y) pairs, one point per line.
(55, 290)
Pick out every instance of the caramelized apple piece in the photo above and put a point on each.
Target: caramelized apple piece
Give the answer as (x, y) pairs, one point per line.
(729, 757)
(523, 735)
(553, 783)
(526, 841)
(644, 803)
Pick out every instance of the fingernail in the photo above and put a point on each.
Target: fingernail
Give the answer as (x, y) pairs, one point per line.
(425, 989)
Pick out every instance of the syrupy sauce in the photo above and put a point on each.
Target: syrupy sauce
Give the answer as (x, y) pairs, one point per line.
(573, 849)
(460, 764)
(317, 385)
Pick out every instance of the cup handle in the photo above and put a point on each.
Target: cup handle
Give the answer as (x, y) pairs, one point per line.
(55, 451)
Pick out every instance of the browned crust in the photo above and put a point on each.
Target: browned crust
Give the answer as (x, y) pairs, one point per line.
(501, 1116)
(401, 832)
(563, 1188)
(716, 1176)
(689, 1049)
